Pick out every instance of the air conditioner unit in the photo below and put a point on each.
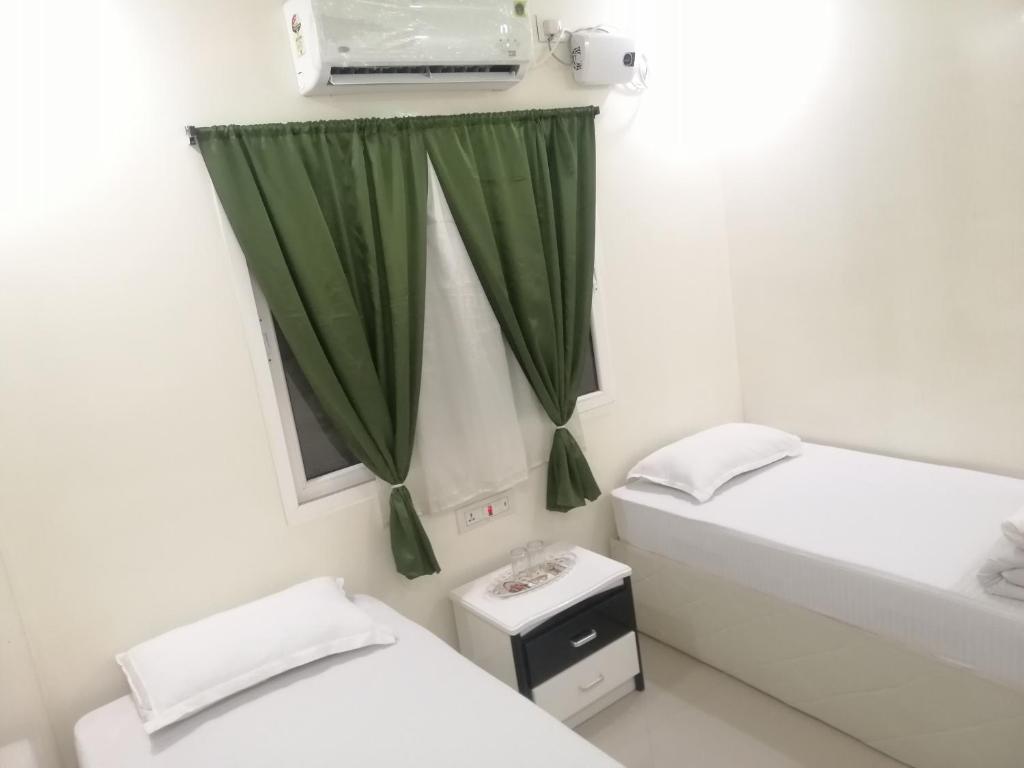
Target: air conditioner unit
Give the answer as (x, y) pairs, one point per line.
(341, 45)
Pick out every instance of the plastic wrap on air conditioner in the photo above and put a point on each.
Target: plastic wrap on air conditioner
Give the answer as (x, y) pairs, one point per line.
(367, 32)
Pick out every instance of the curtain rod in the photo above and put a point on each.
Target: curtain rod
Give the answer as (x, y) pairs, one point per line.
(192, 133)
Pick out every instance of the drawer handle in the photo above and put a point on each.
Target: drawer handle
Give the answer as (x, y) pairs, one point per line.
(579, 642)
(594, 684)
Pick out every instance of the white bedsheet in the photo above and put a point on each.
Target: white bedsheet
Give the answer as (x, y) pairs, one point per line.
(415, 703)
(888, 545)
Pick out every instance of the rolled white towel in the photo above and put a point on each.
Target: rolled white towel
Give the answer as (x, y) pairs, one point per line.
(1003, 572)
(1013, 529)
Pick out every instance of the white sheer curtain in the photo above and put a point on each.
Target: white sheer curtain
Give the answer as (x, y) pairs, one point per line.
(480, 428)
(469, 444)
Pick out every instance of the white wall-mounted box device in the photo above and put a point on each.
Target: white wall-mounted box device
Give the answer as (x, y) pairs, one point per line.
(602, 58)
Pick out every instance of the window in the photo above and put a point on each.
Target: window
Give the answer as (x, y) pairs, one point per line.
(595, 387)
(589, 381)
(320, 465)
(321, 448)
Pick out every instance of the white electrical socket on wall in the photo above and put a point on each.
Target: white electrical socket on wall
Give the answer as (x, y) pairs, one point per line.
(482, 512)
(545, 29)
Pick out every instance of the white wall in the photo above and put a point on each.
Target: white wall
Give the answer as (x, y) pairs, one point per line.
(136, 485)
(876, 220)
(25, 732)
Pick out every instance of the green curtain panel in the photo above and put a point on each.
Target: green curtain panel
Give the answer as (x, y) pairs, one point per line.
(331, 217)
(521, 187)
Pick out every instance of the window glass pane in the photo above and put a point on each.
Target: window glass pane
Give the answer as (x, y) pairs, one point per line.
(323, 450)
(588, 379)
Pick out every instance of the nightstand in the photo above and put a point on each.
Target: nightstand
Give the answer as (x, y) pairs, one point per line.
(570, 646)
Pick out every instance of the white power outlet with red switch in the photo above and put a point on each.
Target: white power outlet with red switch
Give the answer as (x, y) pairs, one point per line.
(482, 512)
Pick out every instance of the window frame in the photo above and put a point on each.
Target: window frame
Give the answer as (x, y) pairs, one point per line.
(306, 489)
(305, 500)
(262, 350)
(605, 393)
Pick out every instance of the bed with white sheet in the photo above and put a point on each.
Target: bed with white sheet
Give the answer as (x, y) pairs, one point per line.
(844, 583)
(414, 703)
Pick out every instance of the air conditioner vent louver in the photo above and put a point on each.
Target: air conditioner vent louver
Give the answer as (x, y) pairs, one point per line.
(427, 71)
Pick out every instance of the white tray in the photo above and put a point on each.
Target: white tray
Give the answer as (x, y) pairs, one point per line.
(508, 585)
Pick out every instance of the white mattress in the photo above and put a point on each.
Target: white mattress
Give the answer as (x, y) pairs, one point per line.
(414, 703)
(888, 545)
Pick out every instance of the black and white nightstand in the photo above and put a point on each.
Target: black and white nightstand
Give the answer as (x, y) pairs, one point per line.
(571, 646)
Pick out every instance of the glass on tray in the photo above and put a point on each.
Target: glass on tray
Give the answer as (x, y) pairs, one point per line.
(537, 554)
(520, 560)
(509, 583)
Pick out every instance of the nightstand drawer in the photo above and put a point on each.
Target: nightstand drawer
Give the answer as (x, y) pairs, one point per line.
(554, 649)
(581, 685)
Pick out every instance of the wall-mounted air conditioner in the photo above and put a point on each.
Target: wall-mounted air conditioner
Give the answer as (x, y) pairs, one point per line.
(338, 45)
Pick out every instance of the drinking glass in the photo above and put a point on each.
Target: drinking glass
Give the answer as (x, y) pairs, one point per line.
(558, 549)
(520, 561)
(537, 555)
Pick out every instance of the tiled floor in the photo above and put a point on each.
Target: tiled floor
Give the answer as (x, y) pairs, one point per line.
(693, 716)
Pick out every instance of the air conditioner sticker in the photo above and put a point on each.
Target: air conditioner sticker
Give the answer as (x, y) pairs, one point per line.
(300, 42)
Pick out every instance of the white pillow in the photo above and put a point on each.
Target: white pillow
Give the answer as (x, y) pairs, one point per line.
(699, 464)
(189, 668)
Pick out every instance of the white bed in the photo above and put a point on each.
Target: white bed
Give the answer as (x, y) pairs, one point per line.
(886, 546)
(416, 702)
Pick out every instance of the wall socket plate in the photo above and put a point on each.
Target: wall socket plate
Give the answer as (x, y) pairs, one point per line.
(543, 28)
(477, 514)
